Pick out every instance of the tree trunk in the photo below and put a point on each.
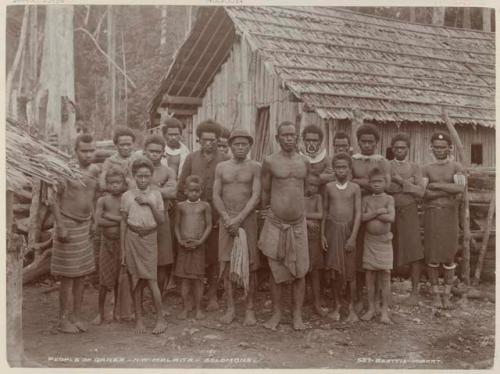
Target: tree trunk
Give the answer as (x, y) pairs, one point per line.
(438, 16)
(163, 28)
(486, 12)
(57, 76)
(125, 83)
(111, 51)
(14, 288)
(467, 21)
(11, 100)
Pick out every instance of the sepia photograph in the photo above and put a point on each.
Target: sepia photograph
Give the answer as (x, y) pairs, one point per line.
(226, 186)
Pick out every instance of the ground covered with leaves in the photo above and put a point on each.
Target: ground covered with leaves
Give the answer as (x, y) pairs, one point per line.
(421, 337)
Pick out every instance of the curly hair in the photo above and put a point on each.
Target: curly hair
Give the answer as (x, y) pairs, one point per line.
(122, 131)
(313, 129)
(154, 139)
(114, 171)
(83, 138)
(142, 162)
(342, 156)
(400, 137)
(368, 129)
(224, 132)
(193, 179)
(208, 126)
(171, 123)
(375, 172)
(341, 135)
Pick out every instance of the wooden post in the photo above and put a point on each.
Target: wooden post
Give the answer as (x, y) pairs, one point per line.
(466, 212)
(356, 122)
(15, 346)
(484, 244)
(486, 13)
(34, 226)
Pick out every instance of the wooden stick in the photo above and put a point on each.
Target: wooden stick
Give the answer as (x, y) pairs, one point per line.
(466, 212)
(486, 238)
(34, 225)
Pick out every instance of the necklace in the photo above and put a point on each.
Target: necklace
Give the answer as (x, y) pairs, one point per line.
(193, 202)
(342, 186)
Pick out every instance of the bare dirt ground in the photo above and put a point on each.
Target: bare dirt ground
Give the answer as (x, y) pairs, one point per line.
(421, 337)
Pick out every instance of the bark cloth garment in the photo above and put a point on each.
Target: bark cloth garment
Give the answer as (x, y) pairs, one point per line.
(316, 253)
(109, 262)
(441, 232)
(226, 241)
(406, 240)
(337, 234)
(74, 257)
(285, 245)
(190, 262)
(377, 253)
(239, 265)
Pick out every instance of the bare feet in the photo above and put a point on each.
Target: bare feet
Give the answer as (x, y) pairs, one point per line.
(139, 327)
(97, 320)
(212, 305)
(368, 315)
(436, 301)
(160, 327)
(250, 319)
(384, 317)
(67, 327)
(334, 316)
(228, 317)
(447, 302)
(298, 324)
(273, 322)
(81, 326)
(322, 312)
(183, 314)
(199, 314)
(352, 317)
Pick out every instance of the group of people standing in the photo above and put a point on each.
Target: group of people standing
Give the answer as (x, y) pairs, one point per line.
(348, 219)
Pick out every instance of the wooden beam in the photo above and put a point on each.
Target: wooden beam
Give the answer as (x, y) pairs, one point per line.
(14, 289)
(208, 45)
(186, 100)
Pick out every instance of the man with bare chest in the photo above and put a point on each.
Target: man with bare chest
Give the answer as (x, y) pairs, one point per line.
(444, 180)
(284, 235)
(236, 195)
(72, 253)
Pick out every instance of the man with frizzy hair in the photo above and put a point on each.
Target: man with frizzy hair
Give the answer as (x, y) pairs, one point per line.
(319, 161)
(444, 180)
(283, 239)
(175, 151)
(407, 188)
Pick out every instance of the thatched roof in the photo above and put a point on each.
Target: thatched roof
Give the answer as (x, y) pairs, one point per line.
(29, 157)
(335, 60)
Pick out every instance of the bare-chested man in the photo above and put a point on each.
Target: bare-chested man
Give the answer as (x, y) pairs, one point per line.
(444, 180)
(72, 253)
(236, 195)
(368, 137)
(284, 235)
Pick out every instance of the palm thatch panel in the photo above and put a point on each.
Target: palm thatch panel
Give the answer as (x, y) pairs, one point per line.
(335, 60)
(30, 157)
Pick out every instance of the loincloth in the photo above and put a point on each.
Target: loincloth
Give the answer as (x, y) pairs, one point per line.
(337, 235)
(406, 241)
(316, 253)
(141, 255)
(226, 241)
(285, 246)
(190, 262)
(440, 233)
(377, 254)
(165, 247)
(75, 257)
(109, 262)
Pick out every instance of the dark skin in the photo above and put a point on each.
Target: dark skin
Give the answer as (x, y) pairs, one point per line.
(312, 142)
(108, 217)
(76, 200)
(142, 178)
(341, 145)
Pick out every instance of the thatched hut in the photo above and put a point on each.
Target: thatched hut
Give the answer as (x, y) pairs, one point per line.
(256, 66)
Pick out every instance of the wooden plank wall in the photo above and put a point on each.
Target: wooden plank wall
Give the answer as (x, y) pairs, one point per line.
(244, 84)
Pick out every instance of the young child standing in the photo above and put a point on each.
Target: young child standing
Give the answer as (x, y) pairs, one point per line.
(193, 224)
(340, 228)
(314, 215)
(378, 214)
(142, 213)
(108, 219)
